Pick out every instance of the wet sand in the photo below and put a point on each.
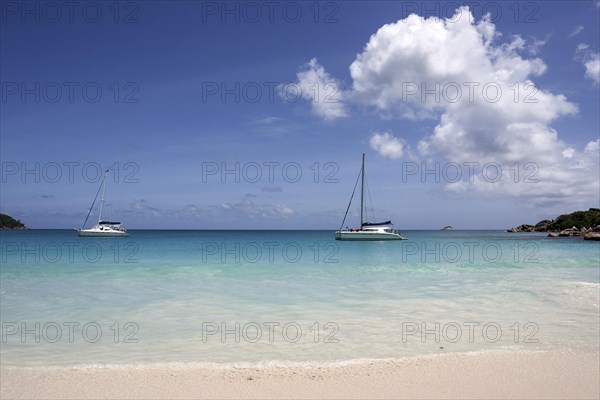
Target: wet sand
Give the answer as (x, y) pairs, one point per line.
(480, 375)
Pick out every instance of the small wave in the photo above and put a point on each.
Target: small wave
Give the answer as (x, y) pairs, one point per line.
(584, 294)
(588, 284)
(266, 365)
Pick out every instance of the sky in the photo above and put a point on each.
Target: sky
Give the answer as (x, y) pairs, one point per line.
(254, 115)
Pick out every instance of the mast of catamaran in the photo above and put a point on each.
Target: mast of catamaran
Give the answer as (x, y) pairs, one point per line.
(102, 199)
(362, 190)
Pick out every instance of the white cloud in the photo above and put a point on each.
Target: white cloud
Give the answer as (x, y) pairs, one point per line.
(592, 68)
(225, 206)
(533, 45)
(284, 210)
(317, 86)
(419, 67)
(267, 120)
(568, 185)
(593, 146)
(485, 100)
(568, 152)
(387, 145)
(590, 60)
(142, 207)
(576, 31)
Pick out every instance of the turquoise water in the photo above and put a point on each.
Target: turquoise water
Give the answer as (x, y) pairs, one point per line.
(281, 296)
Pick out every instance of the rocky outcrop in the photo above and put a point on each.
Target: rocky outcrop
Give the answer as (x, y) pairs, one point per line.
(522, 228)
(592, 236)
(578, 223)
(542, 226)
(572, 232)
(586, 233)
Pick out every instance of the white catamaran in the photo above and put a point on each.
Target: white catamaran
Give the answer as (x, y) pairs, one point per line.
(102, 228)
(367, 230)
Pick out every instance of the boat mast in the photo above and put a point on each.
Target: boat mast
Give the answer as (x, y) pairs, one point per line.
(102, 198)
(362, 190)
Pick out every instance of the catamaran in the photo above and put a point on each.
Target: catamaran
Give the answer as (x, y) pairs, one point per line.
(102, 228)
(367, 230)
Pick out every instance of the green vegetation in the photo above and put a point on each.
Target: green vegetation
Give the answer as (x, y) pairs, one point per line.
(8, 222)
(578, 219)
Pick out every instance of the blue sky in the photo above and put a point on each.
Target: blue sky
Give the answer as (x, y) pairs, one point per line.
(190, 89)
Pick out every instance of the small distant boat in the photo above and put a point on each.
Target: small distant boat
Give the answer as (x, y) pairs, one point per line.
(367, 230)
(102, 228)
(447, 228)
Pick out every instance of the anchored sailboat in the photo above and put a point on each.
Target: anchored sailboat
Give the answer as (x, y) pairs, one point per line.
(367, 230)
(102, 228)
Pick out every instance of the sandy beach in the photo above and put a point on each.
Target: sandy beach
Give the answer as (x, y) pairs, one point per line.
(484, 375)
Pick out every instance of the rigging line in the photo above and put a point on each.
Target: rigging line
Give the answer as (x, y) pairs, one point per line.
(94, 202)
(370, 200)
(351, 197)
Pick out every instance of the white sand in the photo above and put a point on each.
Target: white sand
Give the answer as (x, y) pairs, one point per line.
(488, 375)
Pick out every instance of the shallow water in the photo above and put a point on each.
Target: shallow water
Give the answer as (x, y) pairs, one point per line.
(290, 296)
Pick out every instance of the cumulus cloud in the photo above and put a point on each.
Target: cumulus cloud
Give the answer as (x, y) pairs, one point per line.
(418, 68)
(483, 95)
(387, 145)
(323, 91)
(485, 101)
(590, 60)
(484, 98)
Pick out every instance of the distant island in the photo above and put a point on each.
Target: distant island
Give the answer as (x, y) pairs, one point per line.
(578, 223)
(8, 222)
(447, 228)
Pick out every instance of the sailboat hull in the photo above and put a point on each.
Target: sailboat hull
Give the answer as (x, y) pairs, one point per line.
(367, 236)
(101, 233)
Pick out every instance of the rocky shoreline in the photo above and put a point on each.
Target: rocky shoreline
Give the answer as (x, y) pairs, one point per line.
(557, 228)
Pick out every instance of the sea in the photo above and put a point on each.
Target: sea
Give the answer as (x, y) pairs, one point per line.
(252, 298)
